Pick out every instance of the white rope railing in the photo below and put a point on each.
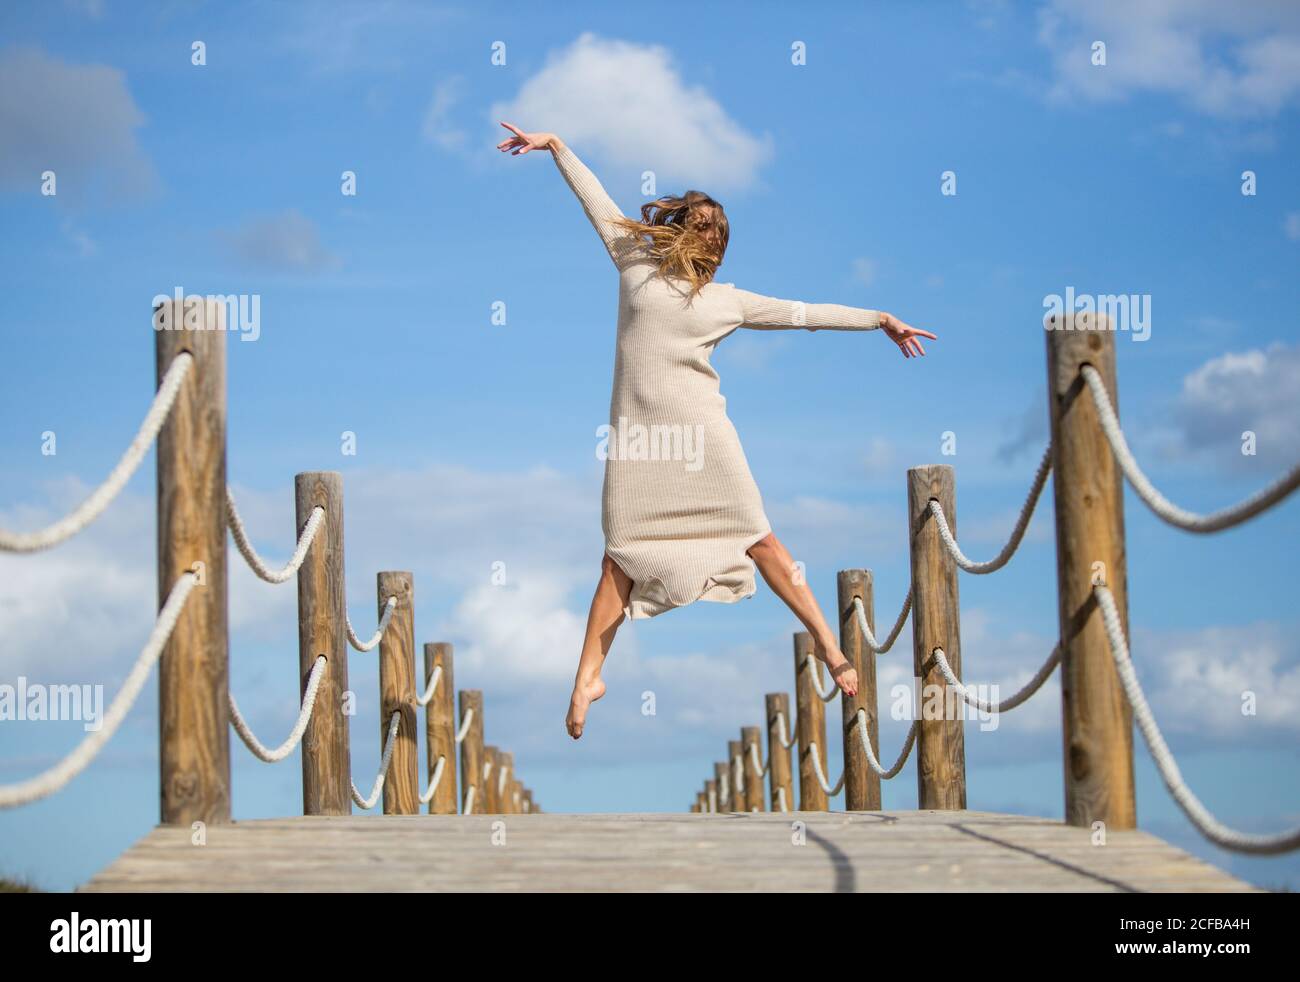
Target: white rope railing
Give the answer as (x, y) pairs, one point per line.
(1209, 826)
(299, 727)
(432, 687)
(738, 776)
(760, 771)
(872, 762)
(868, 637)
(724, 790)
(389, 742)
(784, 732)
(360, 645)
(102, 496)
(427, 796)
(1033, 685)
(464, 725)
(713, 800)
(255, 562)
(821, 774)
(487, 769)
(780, 799)
(1017, 533)
(501, 780)
(1158, 503)
(469, 798)
(45, 784)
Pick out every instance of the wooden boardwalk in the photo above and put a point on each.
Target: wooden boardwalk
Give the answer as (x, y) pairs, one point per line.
(955, 851)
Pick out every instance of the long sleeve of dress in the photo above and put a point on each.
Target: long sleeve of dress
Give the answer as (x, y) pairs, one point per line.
(769, 313)
(621, 245)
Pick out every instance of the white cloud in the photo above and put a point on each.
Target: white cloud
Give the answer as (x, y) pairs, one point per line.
(1256, 390)
(437, 127)
(76, 120)
(1291, 225)
(864, 271)
(628, 104)
(287, 241)
(1224, 60)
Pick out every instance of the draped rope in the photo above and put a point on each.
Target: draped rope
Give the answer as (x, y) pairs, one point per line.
(99, 499)
(1158, 503)
(255, 561)
(50, 781)
(360, 645)
(1033, 685)
(1017, 533)
(299, 727)
(389, 742)
(1209, 826)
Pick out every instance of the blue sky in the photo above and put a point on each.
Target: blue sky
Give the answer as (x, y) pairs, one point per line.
(476, 441)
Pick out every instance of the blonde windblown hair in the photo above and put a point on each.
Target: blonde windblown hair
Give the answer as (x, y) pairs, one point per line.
(687, 235)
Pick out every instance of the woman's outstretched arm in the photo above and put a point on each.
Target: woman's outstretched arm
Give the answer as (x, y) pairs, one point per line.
(769, 313)
(599, 206)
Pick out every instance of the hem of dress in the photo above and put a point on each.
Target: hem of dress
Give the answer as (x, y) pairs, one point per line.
(643, 608)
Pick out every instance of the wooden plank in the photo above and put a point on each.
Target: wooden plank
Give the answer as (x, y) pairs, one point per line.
(940, 851)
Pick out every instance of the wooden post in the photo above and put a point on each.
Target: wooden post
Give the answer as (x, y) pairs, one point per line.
(861, 783)
(397, 694)
(752, 736)
(471, 753)
(701, 801)
(528, 800)
(940, 744)
(326, 757)
(491, 771)
(193, 679)
(506, 791)
(1088, 492)
(780, 783)
(739, 788)
(722, 782)
(440, 727)
(812, 723)
(711, 795)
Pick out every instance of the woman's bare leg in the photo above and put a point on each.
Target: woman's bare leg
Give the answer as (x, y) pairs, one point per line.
(778, 568)
(605, 616)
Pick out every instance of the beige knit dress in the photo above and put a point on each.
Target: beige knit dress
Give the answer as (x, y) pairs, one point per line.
(680, 508)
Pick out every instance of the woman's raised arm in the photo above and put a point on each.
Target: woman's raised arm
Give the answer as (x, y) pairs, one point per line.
(599, 206)
(772, 314)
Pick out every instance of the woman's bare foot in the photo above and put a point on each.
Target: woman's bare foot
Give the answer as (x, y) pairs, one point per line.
(584, 694)
(842, 671)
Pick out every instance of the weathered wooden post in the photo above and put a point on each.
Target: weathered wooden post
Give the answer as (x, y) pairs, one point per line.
(440, 727)
(528, 800)
(722, 782)
(397, 694)
(861, 783)
(1089, 499)
(471, 754)
(701, 801)
(506, 782)
(751, 749)
(711, 793)
(326, 757)
(193, 679)
(940, 744)
(739, 779)
(491, 771)
(812, 723)
(780, 782)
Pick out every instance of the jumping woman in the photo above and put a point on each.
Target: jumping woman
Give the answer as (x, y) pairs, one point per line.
(679, 531)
